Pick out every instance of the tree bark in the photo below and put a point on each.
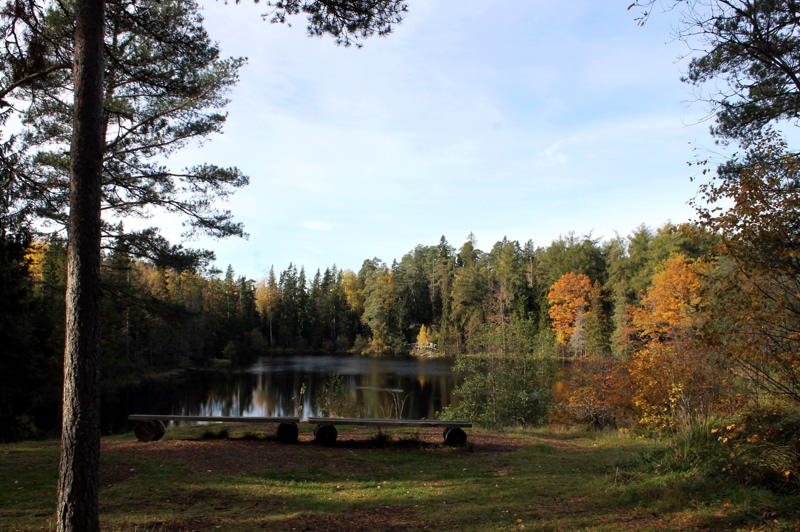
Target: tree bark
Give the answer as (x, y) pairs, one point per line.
(80, 441)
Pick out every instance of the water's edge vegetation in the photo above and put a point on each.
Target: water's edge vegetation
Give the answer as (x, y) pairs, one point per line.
(158, 320)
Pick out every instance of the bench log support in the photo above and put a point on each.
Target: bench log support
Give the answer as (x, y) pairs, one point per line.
(288, 432)
(325, 434)
(150, 430)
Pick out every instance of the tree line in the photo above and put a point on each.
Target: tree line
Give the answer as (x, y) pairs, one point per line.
(158, 318)
(455, 292)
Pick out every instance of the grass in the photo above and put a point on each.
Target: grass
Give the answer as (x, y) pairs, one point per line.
(557, 481)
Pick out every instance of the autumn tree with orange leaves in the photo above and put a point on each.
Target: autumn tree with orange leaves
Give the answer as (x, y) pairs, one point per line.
(758, 290)
(568, 298)
(598, 394)
(674, 378)
(576, 309)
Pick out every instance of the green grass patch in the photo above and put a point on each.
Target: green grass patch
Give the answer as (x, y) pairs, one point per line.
(567, 481)
(28, 484)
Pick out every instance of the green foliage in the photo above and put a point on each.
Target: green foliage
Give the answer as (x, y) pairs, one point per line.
(360, 345)
(456, 293)
(229, 351)
(634, 259)
(598, 327)
(18, 369)
(505, 297)
(508, 384)
(347, 24)
(165, 86)
(502, 391)
(154, 320)
(517, 337)
(380, 311)
(630, 265)
(572, 254)
(759, 67)
(470, 286)
(748, 56)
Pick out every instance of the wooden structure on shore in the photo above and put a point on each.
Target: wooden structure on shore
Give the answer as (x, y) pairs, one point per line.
(152, 428)
(424, 350)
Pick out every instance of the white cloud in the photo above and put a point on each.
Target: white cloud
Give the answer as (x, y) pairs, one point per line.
(527, 121)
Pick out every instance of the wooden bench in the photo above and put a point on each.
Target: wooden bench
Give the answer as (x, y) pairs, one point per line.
(152, 428)
(325, 431)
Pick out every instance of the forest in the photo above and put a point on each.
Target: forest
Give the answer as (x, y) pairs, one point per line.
(669, 300)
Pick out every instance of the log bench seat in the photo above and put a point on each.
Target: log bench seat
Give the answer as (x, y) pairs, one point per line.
(325, 431)
(151, 427)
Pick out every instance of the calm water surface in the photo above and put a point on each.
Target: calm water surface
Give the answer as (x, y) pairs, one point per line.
(292, 385)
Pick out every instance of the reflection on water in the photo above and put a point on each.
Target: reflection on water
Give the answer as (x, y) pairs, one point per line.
(273, 386)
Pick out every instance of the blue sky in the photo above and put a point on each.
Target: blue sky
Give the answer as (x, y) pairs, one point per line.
(527, 120)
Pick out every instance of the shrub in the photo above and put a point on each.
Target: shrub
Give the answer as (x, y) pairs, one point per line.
(502, 390)
(760, 447)
(336, 399)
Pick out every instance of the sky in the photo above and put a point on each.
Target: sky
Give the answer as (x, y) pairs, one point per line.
(526, 119)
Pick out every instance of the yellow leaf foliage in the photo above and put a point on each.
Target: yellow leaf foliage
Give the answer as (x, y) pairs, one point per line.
(569, 295)
(672, 377)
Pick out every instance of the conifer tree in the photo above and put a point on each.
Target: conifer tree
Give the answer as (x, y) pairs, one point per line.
(164, 86)
(78, 486)
(597, 325)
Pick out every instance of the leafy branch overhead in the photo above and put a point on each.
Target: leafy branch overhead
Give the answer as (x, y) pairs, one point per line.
(348, 22)
(748, 54)
(165, 87)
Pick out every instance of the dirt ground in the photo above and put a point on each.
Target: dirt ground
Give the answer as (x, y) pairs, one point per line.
(242, 456)
(234, 456)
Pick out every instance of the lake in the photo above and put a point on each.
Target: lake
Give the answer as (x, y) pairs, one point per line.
(381, 387)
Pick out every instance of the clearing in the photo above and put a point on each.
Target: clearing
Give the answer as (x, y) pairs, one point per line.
(240, 478)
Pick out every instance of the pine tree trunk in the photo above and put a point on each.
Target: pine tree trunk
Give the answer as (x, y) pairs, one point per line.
(80, 454)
